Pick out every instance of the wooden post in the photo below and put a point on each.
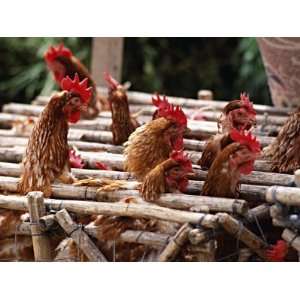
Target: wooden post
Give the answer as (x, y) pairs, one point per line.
(81, 239)
(232, 226)
(107, 55)
(41, 243)
(205, 95)
(172, 249)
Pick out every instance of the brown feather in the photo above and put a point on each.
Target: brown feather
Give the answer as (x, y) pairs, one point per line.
(148, 146)
(285, 150)
(212, 148)
(122, 123)
(47, 153)
(221, 180)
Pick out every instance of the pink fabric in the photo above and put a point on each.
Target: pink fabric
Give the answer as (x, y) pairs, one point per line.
(281, 57)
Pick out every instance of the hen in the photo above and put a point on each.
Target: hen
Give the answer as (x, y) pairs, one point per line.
(168, 176)
(152, 143)
(284, 152)
(47, 152)
(122, 123)
(238, 114)
(61, 61)
(235, 159)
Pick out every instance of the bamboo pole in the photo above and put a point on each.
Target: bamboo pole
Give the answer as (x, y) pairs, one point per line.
(145, 99)
(115, 161)
(199, 129)
(82, 240)
(175, 244)
(237, 229)
(116, 209)
(67, 191)
(153, 239)
(261, 211)
(292, 238)
(285, 195)
(40, 241)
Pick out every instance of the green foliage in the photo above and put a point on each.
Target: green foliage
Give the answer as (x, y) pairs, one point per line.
(251, 73)
(23, 73)
(175, 66)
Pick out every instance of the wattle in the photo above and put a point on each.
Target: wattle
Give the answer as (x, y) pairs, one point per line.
(74, 117)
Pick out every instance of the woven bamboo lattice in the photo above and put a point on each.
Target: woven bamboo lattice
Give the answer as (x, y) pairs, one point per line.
(207, 228)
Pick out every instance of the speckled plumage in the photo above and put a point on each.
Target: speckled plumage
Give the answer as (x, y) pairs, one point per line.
(122, 122)
(148, 146)
(285, 150)
(222, 180)
(47, 154)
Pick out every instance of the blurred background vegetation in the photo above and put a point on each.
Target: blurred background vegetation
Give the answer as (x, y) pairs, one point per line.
(175, 66)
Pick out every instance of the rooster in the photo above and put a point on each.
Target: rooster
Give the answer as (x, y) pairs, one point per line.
(47, 152)
(235, 159)
(168, 176)
(152, 143)
(238, 114)
(284, 151)
(122, 123)
(61, 62)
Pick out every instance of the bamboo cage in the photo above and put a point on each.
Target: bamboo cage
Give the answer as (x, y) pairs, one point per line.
(194, 227)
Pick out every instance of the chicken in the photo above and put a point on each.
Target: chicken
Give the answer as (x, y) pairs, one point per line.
(238, 114)
(61, 62)
(161, 104)
(212, 148)
(122, 123)
(152, 143)
(168, 176)
(47, 152)
(284, 152)
(235, 159)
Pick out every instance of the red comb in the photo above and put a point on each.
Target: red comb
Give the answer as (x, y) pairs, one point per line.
(245, 138)
(53, 52)
(247, 103)
(174, 113)
(161, 104)
(112, 83)
(278, 251)
(77, 87)
(182, 159)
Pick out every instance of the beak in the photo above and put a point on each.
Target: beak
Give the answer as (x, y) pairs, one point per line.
(83, 108)
(187, 131)
(191, 174)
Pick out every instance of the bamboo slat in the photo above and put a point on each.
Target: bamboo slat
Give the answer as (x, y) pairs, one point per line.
(175, 244)
(116, 209)
(285, 195)
(82, 240)
(238, 230)
(292, 238)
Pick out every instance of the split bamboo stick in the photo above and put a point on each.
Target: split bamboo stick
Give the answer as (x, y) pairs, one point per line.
(40, 241)
(115, 161)
(65, 191)
(291, 238)
(175, 244)
(261, 211)
(145, 99)
(116, 209)
(199, 129)
(237, 229)
(82, 240)
(285, 195)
